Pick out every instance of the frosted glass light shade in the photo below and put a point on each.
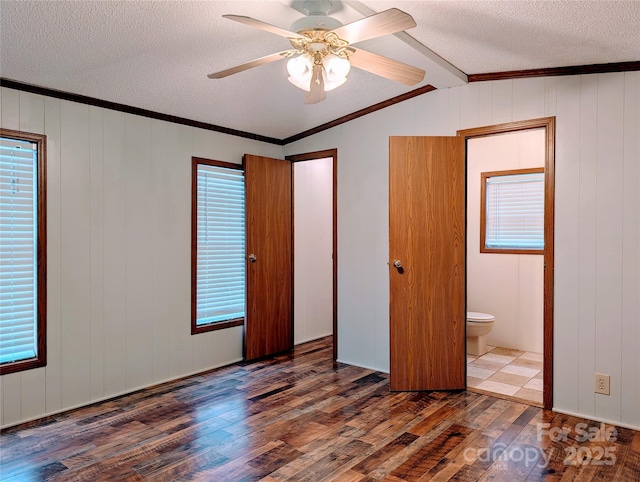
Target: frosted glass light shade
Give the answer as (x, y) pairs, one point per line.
(336, 68)
(300, 69)
(335, 71)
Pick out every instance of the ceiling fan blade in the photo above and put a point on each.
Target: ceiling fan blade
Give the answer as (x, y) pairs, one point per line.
(386, 67)
(316, 93)
(362, 9)
(249, 65)
(252, 22)
(383, 23)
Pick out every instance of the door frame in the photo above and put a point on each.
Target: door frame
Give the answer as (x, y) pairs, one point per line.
(310, 156)
(549, 124)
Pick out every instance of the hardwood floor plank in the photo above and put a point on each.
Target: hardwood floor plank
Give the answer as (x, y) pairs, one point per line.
(238, 468)
(432, 420)
(299, 417)
(449, 466)
(388, 429)
(35, 473)
(336, 434)
(429, 455)
(317, 450)
(384, 453)
(274, 459)
(348, 476)
(386, 468)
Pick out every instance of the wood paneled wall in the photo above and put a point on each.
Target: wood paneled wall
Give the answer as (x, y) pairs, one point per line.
(119, 227)
(597, 268)
(97, 341)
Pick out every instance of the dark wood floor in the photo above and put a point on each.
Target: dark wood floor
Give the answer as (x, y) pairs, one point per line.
(297, 417)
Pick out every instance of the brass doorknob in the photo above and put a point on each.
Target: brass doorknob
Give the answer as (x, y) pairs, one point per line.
(253, 258)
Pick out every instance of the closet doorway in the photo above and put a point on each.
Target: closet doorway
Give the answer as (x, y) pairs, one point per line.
(314, 236)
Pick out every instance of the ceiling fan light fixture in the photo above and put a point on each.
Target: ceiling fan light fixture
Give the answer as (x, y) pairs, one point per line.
(336, 68)
(300, 70)
(334, 71)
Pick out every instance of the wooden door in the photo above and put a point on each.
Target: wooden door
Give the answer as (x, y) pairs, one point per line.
(268, 319)
(426, 238)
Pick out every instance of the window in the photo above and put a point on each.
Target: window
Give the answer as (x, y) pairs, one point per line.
(217, 246)
(512, 212)
(23, 264)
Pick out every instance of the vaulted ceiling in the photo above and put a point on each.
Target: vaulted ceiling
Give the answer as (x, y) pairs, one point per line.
(156, 55)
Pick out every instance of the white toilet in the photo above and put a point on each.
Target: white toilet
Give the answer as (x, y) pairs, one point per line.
(478, 326)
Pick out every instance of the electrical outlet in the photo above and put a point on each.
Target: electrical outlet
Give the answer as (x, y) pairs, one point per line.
(603, 384)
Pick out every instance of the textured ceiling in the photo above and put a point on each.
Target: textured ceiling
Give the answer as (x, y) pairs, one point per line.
(155, 55)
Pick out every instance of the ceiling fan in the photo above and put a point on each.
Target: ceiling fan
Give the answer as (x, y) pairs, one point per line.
(322, 51)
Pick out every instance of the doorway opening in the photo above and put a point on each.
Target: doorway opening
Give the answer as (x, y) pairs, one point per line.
(314, 236)
(518, 359)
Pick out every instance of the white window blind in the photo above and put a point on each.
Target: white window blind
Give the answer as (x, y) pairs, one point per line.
(220, 290)
(18, 256)
(515, 211)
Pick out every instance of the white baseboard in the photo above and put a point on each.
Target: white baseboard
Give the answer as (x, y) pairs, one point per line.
(361, 366)
(307, 340)
(597, 419)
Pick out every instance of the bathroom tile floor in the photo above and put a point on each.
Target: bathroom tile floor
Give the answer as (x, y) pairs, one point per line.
(507, 372)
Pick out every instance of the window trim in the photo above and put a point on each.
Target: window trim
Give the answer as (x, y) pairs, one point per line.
(219, 325)
(41, 325)
(483, 210)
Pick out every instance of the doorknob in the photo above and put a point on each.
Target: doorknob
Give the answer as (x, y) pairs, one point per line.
(253, 258)
(397, 264)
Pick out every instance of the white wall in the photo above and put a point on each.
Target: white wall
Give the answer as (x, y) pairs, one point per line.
(509, 286)
(597, 221)
(118, 256)
(313, 249)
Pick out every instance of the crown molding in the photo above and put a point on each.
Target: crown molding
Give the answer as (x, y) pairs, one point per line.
(83, 99)
(514, 74)
(360, 113)
(555, 71)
